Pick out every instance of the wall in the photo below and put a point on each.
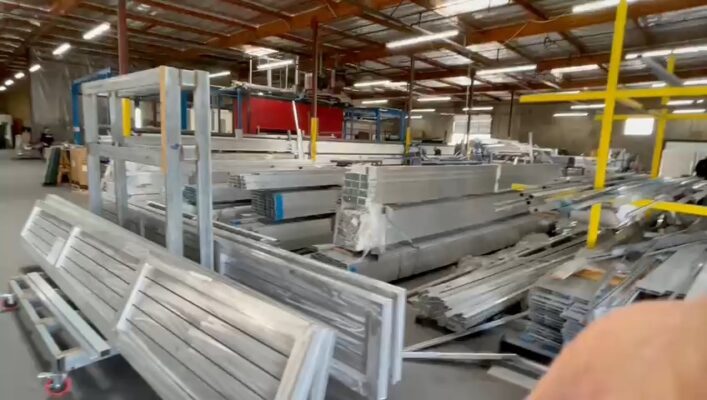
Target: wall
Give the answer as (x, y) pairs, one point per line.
(16, 101)
(432, 126)
(581, 135)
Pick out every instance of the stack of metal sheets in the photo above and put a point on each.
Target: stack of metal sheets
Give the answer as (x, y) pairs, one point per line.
(467, 300)
(285, 179)
(280, 205)
(222, 194)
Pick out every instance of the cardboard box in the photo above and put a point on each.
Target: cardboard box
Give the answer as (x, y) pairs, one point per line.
(79, 168)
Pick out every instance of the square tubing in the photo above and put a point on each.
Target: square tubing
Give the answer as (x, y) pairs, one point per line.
(170, 99)
(202, 133)
(660, 130)
(93, 162)
(608, 121)
(119, 171)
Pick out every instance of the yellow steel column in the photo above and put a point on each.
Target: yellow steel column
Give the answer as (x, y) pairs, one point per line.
(660, 130)
(313, 137)
(127, 117)
(608, 121)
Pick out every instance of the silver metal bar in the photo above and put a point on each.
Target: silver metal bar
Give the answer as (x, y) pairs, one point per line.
(119, 173)
(93, 162)
(661, 73)
(138, 154)
(436, 356)
(202, 132)
(170, 99)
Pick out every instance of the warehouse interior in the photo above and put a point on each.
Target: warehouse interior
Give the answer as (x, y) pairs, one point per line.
(353, 199)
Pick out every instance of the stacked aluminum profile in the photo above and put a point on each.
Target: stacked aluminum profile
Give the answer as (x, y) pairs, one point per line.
(191, 333)
(281, 179)
(222, 194)
(280, 205)
(461, 302)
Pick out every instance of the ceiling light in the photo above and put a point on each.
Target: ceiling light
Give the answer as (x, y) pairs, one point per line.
(681, 102)
(371, 83)
(568, 92)
(454, 8)
(570, 114)
(579, 68)
(434, 98)
(478, 108)
(276, 64)
(447, 114)
(695, 82)
(35, 68)
(219, 74)
(667, 52)
(422, 39)
(423, 110)
(97, 31)
(9, 82)
(19, 75)
(3, 88)
(596, 5)
(690, 111)
(587, 106)
(496, 71)
(61, 49)
(380, 101)
(658, 85)
(416, 117)
(257, 50)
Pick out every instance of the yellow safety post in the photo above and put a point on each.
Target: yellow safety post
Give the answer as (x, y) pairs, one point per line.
(127, 117)
(660, 130)
(313, 136)
(680, 208)
(519, 187)
(408, 140)
(608, 122)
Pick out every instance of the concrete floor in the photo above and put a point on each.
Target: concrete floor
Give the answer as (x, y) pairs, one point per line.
(114, 379)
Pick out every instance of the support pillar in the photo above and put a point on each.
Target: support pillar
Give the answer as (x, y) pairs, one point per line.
(314, 123)
(660, 130)
(124, 63)
(408, 131)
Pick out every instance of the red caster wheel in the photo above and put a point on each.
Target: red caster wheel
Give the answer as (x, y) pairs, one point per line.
(58, 391)
(7, 306)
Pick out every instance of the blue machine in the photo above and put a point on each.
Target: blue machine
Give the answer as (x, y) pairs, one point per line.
(373, 114)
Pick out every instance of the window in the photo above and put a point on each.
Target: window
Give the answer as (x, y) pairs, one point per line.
(480, 128)
(639, 126)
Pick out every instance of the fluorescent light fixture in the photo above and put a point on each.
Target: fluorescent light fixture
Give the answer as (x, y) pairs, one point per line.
(423, 110)
(667, 52)
(416, 117)
(639, 126)
(480, 108)
(570, 114)
(35, 68)
(19, 75)
(97, 31)
(596, 5)
(276, 64)
(579, 68)
(434, 98)
(379, 101)
(658, 85)
(219, 74)
(695, 82)
(372, 83)
(257, 50)
(3, 88)
(690, 111)
(422, 39)
(454, 8)
(681, 102)
(568, 92)
(9, 82)
(587, 106)
(496, 71)
(61, 49)
(447, 114)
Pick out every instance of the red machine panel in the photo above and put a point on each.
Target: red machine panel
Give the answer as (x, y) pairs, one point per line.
(261, 114)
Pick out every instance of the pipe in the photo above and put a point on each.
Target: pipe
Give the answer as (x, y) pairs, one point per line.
(124, 62)
(314, 125)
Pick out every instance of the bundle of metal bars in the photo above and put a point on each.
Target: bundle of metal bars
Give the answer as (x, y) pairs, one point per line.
(664, 267)
(468, 298)
(384, 206)
(279, 205)
(222, 195)
(285, 179)
(189, 332)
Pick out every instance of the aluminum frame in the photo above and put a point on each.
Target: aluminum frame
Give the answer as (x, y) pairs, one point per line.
(168, 83)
